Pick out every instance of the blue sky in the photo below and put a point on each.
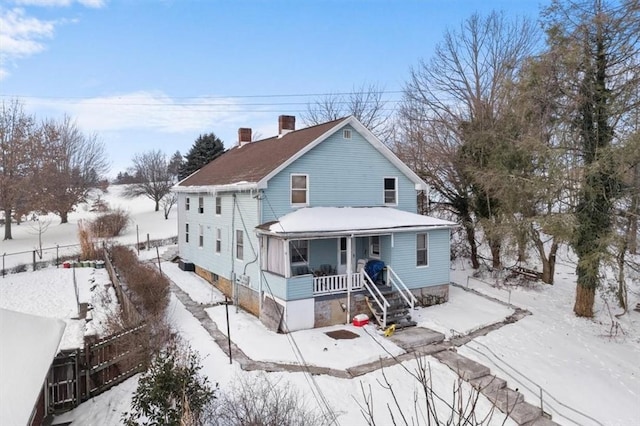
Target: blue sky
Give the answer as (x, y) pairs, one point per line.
(146, 74)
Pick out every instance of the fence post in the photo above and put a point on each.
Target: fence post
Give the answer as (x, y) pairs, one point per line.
(57, 257)
(34, 260)
(138, 239)
(3, 271)
(148, 243)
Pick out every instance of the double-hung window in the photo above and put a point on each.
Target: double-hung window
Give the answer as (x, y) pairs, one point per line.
(200, 236)
(374, 246)
(200, 204)
(218, 206)
(186, 232)
(299, 190)
(186, 204)
(391, 191)
(422, 250)
(218, 240)
(239, 244)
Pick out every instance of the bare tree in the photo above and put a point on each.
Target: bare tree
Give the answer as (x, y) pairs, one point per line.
(167, 202)
(17, 134)
(157, 180)
(455, 105)
(366, 103)
(73, 165)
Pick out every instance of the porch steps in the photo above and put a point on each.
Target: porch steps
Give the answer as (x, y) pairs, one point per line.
(398, 312)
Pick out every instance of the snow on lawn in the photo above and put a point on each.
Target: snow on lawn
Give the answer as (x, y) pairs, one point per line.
(462, 314)
(144, 220)
(198, 289)
(573, 359)
(50, 293)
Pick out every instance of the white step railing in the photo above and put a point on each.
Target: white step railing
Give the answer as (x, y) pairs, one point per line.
(336, 283)
(394, 280)
(377, 296)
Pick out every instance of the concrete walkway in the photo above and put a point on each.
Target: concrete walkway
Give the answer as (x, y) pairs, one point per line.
(416, 342)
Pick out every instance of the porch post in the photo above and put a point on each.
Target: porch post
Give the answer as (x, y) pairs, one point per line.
(349, 277)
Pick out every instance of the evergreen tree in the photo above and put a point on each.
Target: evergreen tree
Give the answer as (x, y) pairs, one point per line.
(204, 150)
(175, 163)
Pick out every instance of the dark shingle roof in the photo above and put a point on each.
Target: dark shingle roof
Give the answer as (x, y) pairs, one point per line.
(255, 160)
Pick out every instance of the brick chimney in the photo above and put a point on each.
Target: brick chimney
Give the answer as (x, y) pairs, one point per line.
(286, 124)
(244, 136)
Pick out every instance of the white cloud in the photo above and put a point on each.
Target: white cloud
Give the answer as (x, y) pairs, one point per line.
(61, 3)
(21, 36)
(143, 111)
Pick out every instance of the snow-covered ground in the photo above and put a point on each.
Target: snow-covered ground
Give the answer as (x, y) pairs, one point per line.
(577, 361)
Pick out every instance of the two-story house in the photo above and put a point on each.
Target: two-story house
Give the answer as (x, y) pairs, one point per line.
(287, 226)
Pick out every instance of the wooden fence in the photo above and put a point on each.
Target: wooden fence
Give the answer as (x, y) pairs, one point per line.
(76, 376)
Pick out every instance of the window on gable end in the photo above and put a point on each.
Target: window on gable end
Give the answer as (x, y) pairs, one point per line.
(346, 133)
(299, 190)
(239, 244)
(391, 191)
(218, 240)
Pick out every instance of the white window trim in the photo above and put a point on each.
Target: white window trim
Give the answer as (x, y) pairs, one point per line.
(371, 255)
(384, 191)
(200, 236)
(427, 248)
(218, 244)
(306, 203)
(236, 247)
(187, 204)
(186, 232)
(218, 205)
(200, 205)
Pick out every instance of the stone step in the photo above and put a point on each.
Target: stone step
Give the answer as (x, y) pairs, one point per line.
(541, 421)
(465, 368)
(505, 399)
(488, 383)
(524, 413)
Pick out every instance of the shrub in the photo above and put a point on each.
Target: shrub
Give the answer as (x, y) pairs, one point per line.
(148, 287)
(257, 401)
(171, 392)
(87, 246)
(110, 224)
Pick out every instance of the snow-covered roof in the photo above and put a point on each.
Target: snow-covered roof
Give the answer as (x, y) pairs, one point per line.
(350, 220)
(28, 345)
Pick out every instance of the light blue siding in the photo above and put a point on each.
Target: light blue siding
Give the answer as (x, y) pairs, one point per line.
(323, 251)
(244, 217)
(275, 285)
(403, 259)
(300, 287)
(342, 172)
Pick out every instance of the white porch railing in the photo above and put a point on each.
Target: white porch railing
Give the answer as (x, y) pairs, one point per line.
(336, 283)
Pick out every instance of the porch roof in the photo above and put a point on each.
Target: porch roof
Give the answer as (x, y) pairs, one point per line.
(330, 221)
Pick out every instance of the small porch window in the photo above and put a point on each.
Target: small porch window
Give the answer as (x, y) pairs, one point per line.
(299, 190)
(343, 251)
(391, 191)
(239, 244)
(374, 246)
(422, 250)
(299, 255)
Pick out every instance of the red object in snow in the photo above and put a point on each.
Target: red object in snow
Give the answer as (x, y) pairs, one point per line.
(360, 320)
(66, 265)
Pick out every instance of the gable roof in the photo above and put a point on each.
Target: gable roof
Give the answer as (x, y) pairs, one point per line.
(250, 166)
(253, 161)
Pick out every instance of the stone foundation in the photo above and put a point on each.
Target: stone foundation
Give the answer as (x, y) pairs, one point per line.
(248, 299)
(434, 295)
(329, 311)
(204, 274)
